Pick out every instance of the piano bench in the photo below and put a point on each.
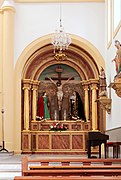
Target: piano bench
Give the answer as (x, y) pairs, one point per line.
(116, 148)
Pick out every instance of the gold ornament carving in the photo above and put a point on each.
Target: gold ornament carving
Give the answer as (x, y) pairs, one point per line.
(116, 85)
(105, 103)
(60, 56)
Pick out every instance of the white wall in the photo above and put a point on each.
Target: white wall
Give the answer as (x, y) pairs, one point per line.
(113, 120)
(84, 19)
(35, 20)
(113, 30)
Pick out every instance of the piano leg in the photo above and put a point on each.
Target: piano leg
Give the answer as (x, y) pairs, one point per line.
(89, 149)
(105, 149)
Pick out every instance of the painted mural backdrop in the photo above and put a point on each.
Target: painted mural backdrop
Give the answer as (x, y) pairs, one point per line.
(67, 72)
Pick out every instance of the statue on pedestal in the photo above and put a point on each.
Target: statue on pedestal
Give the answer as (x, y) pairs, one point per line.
(43, 111)
(117, 59)
(74, 106)
(102, 83)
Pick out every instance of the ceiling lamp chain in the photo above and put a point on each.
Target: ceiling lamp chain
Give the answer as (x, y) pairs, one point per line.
(61, 40)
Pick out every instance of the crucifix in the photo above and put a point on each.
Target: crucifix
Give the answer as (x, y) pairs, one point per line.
(59, 86)
(59, 71)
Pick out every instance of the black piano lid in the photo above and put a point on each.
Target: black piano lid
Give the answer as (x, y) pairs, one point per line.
(97, 135)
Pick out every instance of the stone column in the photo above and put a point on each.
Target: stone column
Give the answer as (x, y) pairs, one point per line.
(86, 89)
(1, 70)
(26, 88)
(35, 85)
(94, 88)
(8, 12)
(1, 52)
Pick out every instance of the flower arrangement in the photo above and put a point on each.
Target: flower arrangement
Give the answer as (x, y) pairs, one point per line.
(58, 127)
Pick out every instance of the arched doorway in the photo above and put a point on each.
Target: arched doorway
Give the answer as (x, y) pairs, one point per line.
(38, 56)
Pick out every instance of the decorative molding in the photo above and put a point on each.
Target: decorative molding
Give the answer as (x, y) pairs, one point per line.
(27, 83)
(60, 56)
(57, 1)
(115, 10)
(117, 29)
(94, 83)
(116, 85)
(109, 22)
(109, 44)
(105, 103)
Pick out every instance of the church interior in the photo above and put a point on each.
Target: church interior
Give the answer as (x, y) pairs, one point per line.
(60, 81)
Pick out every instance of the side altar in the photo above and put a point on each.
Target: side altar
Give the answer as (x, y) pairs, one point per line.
(79, 112)
(41, 139)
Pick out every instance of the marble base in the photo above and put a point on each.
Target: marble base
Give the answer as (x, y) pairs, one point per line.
(42, 139)
(55, 142)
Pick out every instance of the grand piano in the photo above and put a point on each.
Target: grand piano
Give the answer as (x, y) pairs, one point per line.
(96, 139)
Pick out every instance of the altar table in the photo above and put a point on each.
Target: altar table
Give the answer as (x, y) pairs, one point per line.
(40, 139)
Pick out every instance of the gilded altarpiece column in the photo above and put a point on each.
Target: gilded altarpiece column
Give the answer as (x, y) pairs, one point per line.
(94, 87)
(86, 89)
(35, 85)
(26, 88)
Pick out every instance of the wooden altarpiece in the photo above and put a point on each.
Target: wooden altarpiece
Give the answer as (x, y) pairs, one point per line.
(37, 136)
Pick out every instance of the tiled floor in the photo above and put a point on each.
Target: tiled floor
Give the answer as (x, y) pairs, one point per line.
(10, 164)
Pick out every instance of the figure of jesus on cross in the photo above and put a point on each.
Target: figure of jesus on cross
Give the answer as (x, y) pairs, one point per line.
(59, 91)
(59, 86)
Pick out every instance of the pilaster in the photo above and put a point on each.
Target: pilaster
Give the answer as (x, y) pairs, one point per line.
(26, 88)
(35, 85)
(94, 88)
(8, 71)
(86, 89)
(1, 68)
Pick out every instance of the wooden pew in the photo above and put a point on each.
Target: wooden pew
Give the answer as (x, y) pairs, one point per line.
(65, 178)
(86, 167)
(74, 172)
(64, 162)
(74, 167)
(116, 148)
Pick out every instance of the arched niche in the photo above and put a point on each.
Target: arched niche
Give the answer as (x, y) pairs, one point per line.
(77, 57)
(39, 55)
